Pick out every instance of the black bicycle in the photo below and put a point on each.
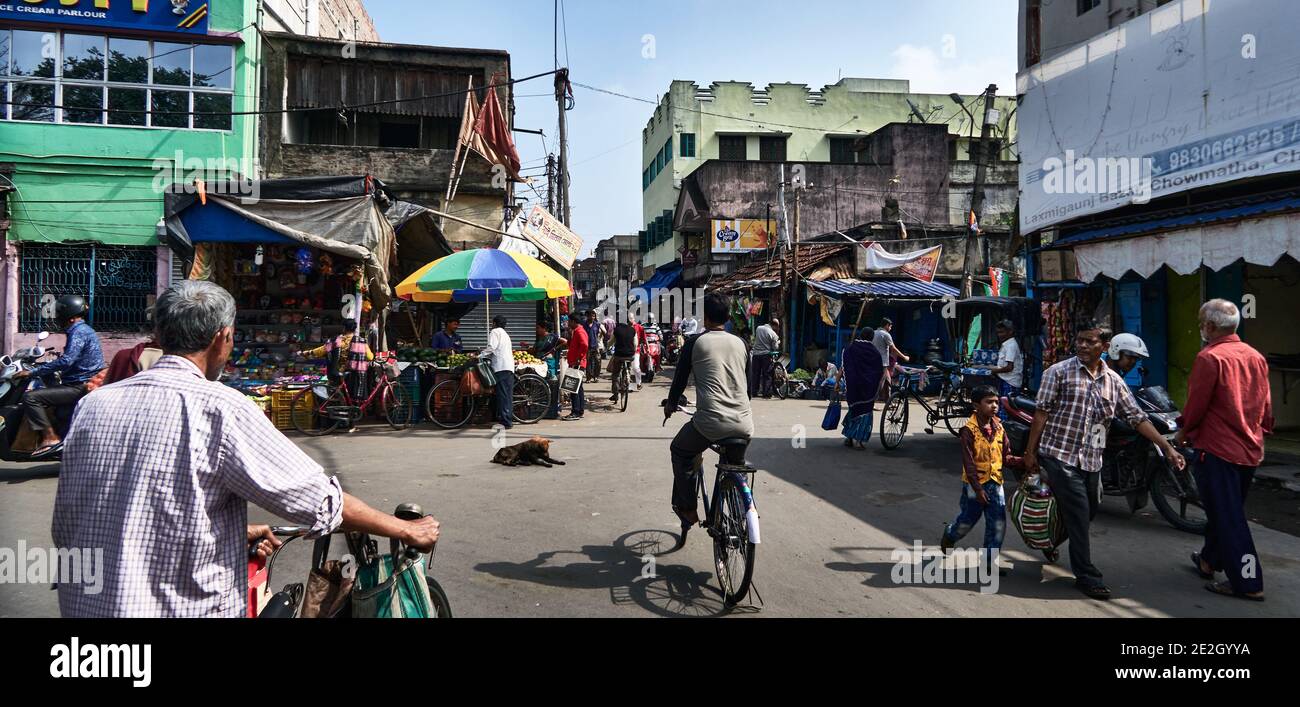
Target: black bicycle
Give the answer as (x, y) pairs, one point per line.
(287, 603)
(731, 519)
(953, 404)
(623, 384)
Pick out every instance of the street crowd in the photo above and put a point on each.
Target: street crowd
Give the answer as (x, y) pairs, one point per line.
(167, 457)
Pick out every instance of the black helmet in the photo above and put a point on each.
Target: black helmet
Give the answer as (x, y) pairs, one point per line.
(69, 306)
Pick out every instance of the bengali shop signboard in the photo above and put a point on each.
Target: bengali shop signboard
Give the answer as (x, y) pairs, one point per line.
(184, 16)
(552, 237)
(1188, 95)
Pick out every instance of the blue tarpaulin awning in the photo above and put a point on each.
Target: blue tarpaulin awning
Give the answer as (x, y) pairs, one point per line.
(216, 224)
(666, 276)
(905, 289)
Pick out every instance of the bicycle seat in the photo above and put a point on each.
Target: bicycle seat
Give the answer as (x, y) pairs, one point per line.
(1023, 403)
(947, 366)
(731, 449)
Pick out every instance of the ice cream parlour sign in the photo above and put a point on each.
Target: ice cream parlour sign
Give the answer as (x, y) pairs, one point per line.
(184, 16)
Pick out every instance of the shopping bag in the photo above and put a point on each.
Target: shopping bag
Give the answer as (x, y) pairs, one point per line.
(832, 417)
(571, 380)
(470, 383)
(1034, 513)
(485, 374)
(328, 590)
(382, 593)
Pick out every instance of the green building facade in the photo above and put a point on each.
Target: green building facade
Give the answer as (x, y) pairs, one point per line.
(103, 109)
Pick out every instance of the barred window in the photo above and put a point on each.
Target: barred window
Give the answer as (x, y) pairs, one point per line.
(96, 79)
(118, 282)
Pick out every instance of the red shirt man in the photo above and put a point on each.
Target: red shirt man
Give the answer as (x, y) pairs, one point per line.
(578, 345)
(1228, 408)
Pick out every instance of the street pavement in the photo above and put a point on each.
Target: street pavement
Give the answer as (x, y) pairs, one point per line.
(575, 540)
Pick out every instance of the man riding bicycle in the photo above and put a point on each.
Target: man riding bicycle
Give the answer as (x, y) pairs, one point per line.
(718, 360)
(627, 344)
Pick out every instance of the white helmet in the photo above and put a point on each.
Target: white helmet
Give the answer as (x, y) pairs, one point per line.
(1127, 343)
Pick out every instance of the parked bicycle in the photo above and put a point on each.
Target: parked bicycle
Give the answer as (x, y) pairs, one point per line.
(731, 519)
(320, 409)
(364, 551)
(780, 376)
(450, 404)
(953, 404)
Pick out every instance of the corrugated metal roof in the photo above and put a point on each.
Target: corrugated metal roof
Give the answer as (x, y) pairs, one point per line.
(887, 288)
(766, 273)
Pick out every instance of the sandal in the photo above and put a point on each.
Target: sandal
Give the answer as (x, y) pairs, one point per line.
(47, 450)
(1226, 590)
(1100, 592)
(1198, 566)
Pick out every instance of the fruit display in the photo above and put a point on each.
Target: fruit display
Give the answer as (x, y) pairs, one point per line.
(523, 357)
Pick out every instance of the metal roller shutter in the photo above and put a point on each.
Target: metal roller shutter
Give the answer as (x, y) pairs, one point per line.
(521, 324)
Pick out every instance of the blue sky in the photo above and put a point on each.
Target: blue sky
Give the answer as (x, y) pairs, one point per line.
(940, 45)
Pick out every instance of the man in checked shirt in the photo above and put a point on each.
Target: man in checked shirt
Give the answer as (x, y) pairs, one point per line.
(158, 471)
(1077, 399)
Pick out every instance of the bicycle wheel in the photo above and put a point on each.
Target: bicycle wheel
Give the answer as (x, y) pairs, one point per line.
(396, 407)
(733, 553)
(1175, 495)
(532, 398)
(441, 604)
(624, 389)
(448, 406)
(893, 420)
(780, 381)
(956, 410)
(309, 410)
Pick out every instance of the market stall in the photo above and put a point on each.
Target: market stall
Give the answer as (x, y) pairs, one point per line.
(300, 258)
(485, 276)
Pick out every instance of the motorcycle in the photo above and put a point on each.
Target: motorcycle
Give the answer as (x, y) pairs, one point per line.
(673, 346)
(653, 352)
(1132, 466)
(12, 411)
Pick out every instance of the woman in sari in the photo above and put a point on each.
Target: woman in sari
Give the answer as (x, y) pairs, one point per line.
(862, 373)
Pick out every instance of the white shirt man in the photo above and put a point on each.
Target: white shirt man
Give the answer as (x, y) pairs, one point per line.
(503, 357)
(1009, 353)
(690, 327)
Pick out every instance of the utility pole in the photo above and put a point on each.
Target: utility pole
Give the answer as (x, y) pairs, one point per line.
(561, 90)
(550, 183)
(977, 192)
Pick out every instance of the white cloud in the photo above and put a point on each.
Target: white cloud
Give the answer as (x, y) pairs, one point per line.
(930, 73)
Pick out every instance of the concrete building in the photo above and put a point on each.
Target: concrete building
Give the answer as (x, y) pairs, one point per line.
(410, 144)
(851, 197)
(1178, 90)
(620, 257)
(329, 19)
(786, 123)
(1048, 29)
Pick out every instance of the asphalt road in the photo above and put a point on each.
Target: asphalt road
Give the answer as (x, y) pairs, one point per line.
(572, 540)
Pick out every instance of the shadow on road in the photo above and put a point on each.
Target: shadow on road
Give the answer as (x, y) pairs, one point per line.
(18, 476)
(1025, 581)
(625, 568)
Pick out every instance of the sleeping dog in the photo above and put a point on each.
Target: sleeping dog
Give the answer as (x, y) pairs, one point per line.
(533, 451)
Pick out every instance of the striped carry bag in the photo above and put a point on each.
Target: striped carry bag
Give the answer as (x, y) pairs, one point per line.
(1034, 513)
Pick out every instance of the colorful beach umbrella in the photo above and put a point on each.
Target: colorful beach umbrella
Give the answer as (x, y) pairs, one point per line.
(484, 275)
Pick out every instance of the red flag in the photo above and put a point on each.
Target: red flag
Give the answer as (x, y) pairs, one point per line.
(495, 133)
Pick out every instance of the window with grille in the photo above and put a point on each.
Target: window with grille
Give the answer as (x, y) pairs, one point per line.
(96, 79)
(842, 150)
(771, 148)
(118, 282)
(1085, 5)
(732, 147)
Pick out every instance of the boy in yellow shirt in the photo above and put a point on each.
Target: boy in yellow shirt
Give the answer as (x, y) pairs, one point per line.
(984, 453)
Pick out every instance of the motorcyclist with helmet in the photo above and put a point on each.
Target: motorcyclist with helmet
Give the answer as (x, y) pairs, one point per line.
(81, 360)
(1125, 351)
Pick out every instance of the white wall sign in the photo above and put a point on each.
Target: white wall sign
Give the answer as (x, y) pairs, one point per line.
(1176, 99)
